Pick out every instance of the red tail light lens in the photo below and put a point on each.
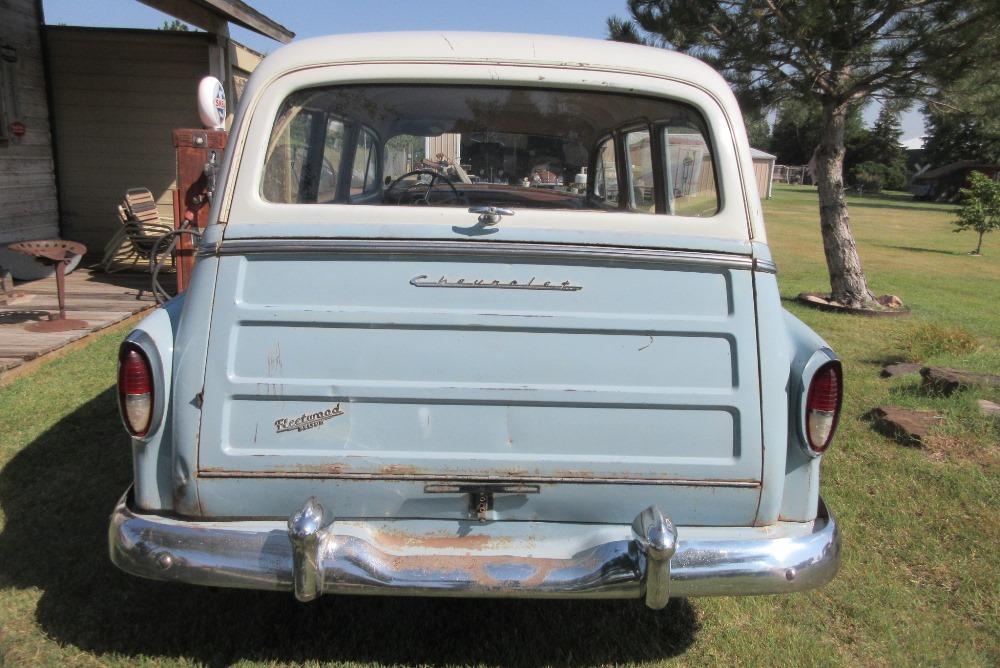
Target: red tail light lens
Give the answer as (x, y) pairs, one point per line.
(135, 389)
(823, 406)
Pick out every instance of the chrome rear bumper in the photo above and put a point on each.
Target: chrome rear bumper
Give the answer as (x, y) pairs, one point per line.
(652, 558)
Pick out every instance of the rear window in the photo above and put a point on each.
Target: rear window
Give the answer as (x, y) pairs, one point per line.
(403, 145)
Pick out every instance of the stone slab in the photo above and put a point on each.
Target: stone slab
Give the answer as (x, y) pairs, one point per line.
(988, 408)
(947, 381)
(900, 369)
(907, 425)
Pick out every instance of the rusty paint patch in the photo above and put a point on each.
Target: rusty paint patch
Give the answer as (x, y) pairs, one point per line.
(482, 570)
(274, 365)
(440, 540)
(398, 469)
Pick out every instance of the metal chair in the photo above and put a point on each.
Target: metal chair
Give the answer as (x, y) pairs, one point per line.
(141, 229)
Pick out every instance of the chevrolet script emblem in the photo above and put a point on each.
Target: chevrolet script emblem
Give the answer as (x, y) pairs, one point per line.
(306, 420)
(443, 282)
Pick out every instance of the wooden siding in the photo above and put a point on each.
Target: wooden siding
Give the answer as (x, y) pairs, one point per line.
(117, 95)
(28, 205)
(449, 143)
(762, 169)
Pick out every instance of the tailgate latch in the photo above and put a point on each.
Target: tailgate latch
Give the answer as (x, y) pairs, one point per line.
(656, 539)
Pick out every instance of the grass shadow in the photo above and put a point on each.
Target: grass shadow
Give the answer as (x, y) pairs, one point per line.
(57, 493)
(915, 249)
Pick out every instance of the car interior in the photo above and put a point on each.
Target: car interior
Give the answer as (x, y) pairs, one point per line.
(432, 145)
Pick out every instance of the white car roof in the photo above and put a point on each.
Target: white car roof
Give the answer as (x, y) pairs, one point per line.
(485, 47)
(590, 63)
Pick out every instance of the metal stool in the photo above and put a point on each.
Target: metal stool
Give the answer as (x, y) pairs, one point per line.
(56, 252)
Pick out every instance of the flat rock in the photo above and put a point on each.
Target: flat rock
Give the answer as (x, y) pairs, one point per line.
(947, 381)
(900, 369)
(890, 301)
(907, 425)
(988, 407)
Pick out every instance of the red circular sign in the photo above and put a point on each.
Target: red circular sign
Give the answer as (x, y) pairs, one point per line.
(17, 128)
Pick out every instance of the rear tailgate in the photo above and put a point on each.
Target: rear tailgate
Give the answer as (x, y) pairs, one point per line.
(364, 372)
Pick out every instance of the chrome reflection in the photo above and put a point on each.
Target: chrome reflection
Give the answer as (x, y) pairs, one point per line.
(651, 558)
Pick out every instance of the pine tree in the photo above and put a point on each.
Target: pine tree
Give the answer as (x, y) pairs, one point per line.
(839, 53)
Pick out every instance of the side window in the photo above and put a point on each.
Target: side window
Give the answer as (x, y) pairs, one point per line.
(691, 187)
(333, 148)
(641, 184)
(286, 156)
(365, 171)
(606, 173)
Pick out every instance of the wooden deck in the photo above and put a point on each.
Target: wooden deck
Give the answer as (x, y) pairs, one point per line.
(98, 298)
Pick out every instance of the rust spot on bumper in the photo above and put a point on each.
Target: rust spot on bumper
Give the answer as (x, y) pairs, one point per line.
(441, 540)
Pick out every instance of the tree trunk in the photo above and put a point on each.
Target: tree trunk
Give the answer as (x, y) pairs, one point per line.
(979, 246)
(847, 278)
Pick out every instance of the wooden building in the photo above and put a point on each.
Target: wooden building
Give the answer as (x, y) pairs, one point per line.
(763, 170)
(116, 97)
(28, 202)
(86, 113)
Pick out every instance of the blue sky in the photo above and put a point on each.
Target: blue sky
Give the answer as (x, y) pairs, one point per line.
(308, 18)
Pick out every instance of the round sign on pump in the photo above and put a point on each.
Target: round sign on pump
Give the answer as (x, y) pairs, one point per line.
(212, 103)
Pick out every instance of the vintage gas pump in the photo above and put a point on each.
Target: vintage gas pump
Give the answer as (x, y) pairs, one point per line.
(199, 154)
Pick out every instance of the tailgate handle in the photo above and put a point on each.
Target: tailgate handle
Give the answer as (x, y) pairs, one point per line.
(490, 215)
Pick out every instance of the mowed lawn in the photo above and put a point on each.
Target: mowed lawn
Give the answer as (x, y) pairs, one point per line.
(920, 581)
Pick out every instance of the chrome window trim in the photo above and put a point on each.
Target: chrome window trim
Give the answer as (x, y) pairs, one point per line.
(530, 250)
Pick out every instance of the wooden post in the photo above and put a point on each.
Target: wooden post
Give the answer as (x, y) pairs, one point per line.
(193, 148)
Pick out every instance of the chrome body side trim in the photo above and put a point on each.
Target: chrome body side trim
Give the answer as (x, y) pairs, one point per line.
(765, 266)
(465, 248)
(652, 558)
(474, 478)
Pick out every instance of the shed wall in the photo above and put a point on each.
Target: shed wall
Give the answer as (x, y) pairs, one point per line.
(117, 95)
(28, 202)
(762, 170)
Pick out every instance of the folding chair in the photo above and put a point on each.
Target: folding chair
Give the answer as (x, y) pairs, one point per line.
(141, 229)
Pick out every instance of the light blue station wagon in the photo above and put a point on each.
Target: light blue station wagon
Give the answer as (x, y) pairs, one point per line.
(481, 315)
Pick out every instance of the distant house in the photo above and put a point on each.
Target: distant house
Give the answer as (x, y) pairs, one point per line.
(943, 183)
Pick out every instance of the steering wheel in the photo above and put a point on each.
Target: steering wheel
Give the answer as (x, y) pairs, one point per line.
(426, 199)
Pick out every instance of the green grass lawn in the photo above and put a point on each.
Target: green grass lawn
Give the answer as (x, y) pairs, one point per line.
(920, 581)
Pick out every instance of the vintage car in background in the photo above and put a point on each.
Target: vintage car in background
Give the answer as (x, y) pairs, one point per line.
(481, 315)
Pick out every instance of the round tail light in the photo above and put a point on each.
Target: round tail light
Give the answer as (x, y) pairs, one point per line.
(135, 389)
(826, 392)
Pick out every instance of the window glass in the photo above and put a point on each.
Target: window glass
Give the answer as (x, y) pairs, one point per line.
(640, 172)
(363, 176)
(333, 151)
(606, 173)
(403, 153)
(480, 145)
(690, 171)
(286, 156)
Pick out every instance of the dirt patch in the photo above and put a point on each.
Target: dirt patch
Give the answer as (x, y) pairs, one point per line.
(886, 307)
(943, 448)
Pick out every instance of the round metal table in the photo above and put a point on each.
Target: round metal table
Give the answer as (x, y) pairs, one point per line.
(58, 252)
